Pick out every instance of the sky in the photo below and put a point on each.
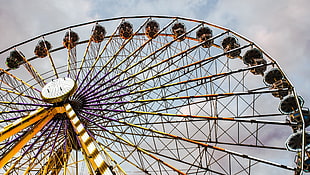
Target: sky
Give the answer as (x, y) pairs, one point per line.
(279, 27)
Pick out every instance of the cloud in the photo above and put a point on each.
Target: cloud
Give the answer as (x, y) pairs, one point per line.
(280, 28)
(188, 8)
(21, 20)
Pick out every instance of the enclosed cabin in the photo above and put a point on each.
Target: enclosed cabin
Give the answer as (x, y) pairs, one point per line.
(229, 43)
(275, 80)
(294, 141)
(70, 40)
(296, 118)
(151, 29)
(204, 34)
(42, 48)
(15, 59)
(289, 104)
(179, 30)
(98, 34)
(125, 30)
(254, 58)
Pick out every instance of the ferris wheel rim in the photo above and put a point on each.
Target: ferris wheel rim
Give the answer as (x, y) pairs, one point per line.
(164, 17)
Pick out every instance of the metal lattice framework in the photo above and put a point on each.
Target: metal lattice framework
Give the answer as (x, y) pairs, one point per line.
(154, 95)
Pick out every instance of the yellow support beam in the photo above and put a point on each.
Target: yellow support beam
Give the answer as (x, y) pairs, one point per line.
(89, 145)
(25, 122)
(41, 116)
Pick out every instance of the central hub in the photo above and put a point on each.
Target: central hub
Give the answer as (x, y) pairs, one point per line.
(58, 90)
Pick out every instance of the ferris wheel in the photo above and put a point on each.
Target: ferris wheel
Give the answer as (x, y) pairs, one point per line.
(148, 95)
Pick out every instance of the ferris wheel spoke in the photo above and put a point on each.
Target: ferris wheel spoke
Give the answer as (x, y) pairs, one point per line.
(187, 116)
(161, 74)
(219, 142)
(33, 72)
(15, 111)
(41, 116)
(24, 104)
(197, 143)
(62, 158)
(27, 151)
(223, 133)
(98, 57)
(111, 59)
(242, 136)
(149, 167)
(91, 52)
(51, 153)
(197, 82)
(203, 118)
(158, 151)
(14, 94)
(140, 48)
(6, 146)
(23, 123)
(95, 81)
(17, 143)
(149, 95)
(72, 63)
(15, 83)
(36, 161)
(138, 148)
(207, 97)
(46, 45)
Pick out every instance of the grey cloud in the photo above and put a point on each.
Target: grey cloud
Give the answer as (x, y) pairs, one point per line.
(279, 27)
(21, 20)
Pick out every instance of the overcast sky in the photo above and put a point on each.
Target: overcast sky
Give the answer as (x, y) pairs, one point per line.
(280, 27)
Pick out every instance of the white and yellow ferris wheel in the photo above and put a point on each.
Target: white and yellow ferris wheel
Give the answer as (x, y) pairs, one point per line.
(148, 95)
